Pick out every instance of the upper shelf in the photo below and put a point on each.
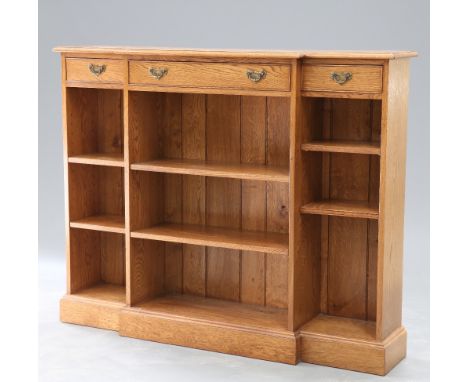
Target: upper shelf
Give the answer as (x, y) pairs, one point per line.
(102, 159)
(215, 169)
(350, 147)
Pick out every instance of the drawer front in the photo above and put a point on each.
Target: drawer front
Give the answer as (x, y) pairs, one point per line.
(211, 75)
(95, 70)
(342, 78)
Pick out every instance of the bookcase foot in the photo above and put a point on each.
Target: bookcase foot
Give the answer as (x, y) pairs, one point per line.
(218, 337)
(80, 311)
(375, 357)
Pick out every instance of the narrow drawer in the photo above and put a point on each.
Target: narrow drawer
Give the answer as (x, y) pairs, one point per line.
(95, 70)
(211, 75)
(342, 78)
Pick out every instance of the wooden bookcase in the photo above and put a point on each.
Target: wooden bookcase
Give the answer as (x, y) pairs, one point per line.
(249, 203)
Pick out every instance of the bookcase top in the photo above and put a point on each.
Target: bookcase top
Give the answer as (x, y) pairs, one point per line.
(234, 53)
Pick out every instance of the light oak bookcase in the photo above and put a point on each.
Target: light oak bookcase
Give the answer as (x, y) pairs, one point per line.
(244, 202)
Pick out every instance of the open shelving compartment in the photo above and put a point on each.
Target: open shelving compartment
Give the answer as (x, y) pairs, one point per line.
(96, 274)
(339, 213)
(95, 126)
(209, 194)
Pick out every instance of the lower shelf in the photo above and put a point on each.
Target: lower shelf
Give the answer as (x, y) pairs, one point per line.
(340, 327)
(218, 312)
(210, 324)
(98, 306)
(104, 292)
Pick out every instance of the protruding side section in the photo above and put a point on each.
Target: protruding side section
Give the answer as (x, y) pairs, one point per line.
(392, 197)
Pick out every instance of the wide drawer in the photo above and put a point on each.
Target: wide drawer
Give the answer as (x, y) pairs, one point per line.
(95, 70)
(342, 78)
(211, 75)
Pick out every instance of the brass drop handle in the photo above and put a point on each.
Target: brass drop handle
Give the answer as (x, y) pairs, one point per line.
(256, 76)
(341, 77)
(158, 73)
(97, 70)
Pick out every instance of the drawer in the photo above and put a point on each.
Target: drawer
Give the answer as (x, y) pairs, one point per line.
(342, 78)
(95, 70)
(211, 75)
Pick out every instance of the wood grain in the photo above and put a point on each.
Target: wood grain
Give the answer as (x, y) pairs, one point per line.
(365, 78)
(253, 151)
(371, 148)
(94, 119)
(340, 208)
(101, 159)
(105, 223)
(210, 75)
(194, 190)
(78, 70)
(274, 243)
(392, 199)
(215, 169)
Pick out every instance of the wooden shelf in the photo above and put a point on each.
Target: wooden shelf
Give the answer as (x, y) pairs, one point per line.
(352, 209)
(216, 237)
(105, 223)
(104, 292)
(101, 159)
(215, 169)
(350, 147)
(325, 325)
(216, 311)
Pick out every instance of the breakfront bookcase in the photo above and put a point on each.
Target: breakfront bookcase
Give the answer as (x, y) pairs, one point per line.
(243, 202)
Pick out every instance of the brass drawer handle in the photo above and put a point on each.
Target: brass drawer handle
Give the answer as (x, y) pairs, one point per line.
(341, 77)
(97, 70)
(256, 76)
(158, 73)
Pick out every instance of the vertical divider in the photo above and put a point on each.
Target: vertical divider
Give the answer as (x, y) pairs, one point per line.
(304, 251)
(127, 188)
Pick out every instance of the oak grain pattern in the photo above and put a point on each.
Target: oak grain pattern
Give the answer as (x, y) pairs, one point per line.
(277, 213)
(253, 147)
(372, 148)
(94, 118)
(342, 208)
(78, 70)
(210, 75)
(216, 169)
(147, 265)
(392, 199)
(213, 324)
(101, 159)
(194, 191)
(170, 123)
(365, 78)
(223, 196)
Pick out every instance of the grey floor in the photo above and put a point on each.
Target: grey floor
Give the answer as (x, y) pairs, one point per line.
(69, 353)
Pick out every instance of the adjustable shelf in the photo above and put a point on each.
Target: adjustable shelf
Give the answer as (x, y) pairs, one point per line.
(101, 159)
(238, 202)
(105, 223)
(351, 209)
(216, 237)
(350, 147)
(215, 169)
